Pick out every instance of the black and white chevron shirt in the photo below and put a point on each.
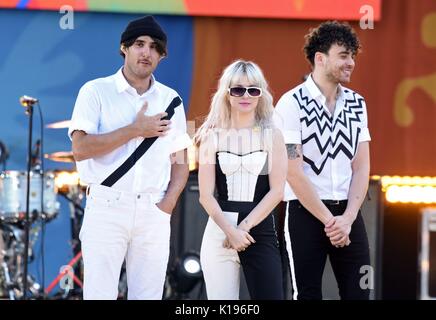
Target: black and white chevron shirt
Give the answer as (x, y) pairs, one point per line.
(329, 142)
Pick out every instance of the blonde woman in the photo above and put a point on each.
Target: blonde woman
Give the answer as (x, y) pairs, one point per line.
(243, 158)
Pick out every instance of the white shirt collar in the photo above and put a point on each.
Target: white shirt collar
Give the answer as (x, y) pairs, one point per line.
(316, 93)
(123, 85)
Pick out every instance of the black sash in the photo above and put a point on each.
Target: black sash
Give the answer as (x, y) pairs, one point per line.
(140, 150)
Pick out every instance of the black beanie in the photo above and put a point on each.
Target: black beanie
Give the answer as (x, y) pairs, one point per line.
(145, 26)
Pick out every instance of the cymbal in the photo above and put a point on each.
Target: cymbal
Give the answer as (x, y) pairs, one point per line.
(59, 125)
(61, 156)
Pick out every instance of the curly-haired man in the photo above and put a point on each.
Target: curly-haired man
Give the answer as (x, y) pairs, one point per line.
(326, 133)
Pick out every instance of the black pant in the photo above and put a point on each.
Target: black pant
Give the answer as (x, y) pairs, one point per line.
(261, 261)
(310, 247)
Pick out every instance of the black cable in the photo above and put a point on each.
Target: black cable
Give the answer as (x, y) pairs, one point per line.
(43, 220)
(4, 155)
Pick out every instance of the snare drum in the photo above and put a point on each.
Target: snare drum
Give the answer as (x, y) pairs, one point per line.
(13, 189)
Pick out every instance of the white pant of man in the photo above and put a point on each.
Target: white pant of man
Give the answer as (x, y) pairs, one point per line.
(119, 225)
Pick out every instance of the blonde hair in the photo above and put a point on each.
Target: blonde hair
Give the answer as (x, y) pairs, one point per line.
(219, 116)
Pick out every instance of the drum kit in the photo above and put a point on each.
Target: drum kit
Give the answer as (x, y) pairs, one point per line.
(43, 207)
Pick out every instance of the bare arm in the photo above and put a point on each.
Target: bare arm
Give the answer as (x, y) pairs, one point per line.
(86, 146)
(302, 186)
(359, 180)
(179, 176)
(356, 195)
(277, 179)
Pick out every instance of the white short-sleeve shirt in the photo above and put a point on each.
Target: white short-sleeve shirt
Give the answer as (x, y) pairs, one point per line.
(329, 141)
(107, 104)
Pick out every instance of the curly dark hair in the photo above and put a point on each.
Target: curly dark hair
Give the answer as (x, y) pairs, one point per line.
(327, 34)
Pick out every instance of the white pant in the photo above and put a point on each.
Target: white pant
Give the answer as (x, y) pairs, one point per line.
(117, 226)
(221, 266)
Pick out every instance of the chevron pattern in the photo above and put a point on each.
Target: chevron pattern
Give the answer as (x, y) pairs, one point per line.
(331, 137)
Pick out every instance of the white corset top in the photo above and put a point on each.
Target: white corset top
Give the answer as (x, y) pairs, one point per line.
(241, 173)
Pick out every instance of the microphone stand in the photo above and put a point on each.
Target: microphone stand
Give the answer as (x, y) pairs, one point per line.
(29, 112)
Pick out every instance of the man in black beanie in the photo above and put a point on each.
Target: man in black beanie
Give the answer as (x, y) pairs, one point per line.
(125, 151)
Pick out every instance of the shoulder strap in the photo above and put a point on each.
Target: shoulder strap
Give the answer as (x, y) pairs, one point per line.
(140, 150)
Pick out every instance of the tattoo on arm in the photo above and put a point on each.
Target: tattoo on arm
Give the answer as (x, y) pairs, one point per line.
(292, 151)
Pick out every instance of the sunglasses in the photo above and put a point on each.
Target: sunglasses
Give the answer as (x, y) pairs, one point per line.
(240, 91)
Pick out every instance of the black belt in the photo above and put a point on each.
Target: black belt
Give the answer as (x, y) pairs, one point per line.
(334, 202)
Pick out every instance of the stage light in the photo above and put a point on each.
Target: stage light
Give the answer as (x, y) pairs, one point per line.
(185, 275)
(192, 265)
(192, 157)
(408, 189)
(64, 180)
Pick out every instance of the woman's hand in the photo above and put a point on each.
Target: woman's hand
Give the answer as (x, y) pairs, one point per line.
(238, 239)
